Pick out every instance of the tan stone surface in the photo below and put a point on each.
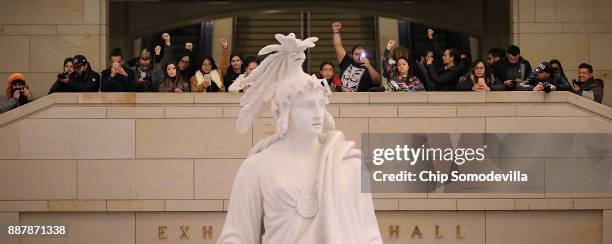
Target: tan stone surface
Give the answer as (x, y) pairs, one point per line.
(543, 125)
(77, 205)
(91, 228)
(60, 112)
(41, 12)
(214, 177)
(557, 46)
(488, 110)
(135, 205)
(217, 98)
(561, 110)
(185, 138)
(472, 226)
(139, 112)
(385, 204)
(515, 97)
(9, 145)
(10, 218)
(194, 112)
(426, 111)
(24, 30)
(23, 206)
(110, 97)
(77, 138)
(544, 204)
(66, 98)
(135, 179)
(592, 203)
(397, 97)
(485, 204)
(427, 125)
(160, 98)
(47, 51)
(544, 227)
(194, 205)
(456, 97)
(148, 225)
(607, 227)
(15, 49)
(428, 204)
(349, 97)
(37, 179)
(368, 111)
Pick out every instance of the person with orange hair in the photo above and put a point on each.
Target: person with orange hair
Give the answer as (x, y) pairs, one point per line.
(16, 94)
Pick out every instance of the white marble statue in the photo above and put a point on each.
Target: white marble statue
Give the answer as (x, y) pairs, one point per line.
(302, 184)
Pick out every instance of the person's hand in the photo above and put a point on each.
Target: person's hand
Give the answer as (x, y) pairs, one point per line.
(429, 60)
(27, 93)
(224, 43)
(207, 81)
(575, 87)
(166, 38)
(346, 89)
(336, 26)
(508, 82)
(121, 71)
(538, 87)
(189, 46)
(113, 71)
(553, 87)
(16, 94)
(157, 50)
(365, 62)
(391, 44)
(463, 56)
(141, 81)
(178, 90)
(403, 85)
(430, 34)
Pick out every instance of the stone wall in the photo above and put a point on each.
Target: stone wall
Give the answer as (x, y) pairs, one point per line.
(125, 164)
(573, 31)
(36, 36)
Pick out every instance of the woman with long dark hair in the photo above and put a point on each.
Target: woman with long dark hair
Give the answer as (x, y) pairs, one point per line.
(234, 70)
(173, 82)
(556, 64)
(207, 78)
(402, 78)
(480, 78)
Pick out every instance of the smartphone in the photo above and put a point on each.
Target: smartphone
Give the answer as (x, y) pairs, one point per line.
(116, 64)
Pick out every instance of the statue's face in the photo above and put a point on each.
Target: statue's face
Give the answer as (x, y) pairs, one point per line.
(307, 112)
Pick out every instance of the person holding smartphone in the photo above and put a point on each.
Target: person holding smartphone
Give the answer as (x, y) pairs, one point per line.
(118, 77)
(480, 78)
(358, 74)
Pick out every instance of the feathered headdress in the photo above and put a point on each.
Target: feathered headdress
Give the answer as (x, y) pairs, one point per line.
(284, 61)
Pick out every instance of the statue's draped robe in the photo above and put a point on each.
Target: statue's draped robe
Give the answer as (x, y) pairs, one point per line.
(322, 205)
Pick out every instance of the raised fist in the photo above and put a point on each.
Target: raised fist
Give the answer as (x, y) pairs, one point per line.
(430, 33)
(224, 43)
(336, 26)
(166, 38)
(391, 44)
(189, 46)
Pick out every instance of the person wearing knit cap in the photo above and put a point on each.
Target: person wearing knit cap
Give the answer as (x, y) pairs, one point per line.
(83, 79)
(16, 94)
(148, 75)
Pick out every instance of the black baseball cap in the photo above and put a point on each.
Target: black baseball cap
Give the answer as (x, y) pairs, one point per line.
(544, 67)
(79, 60)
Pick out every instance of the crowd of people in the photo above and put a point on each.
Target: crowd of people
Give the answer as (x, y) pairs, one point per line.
(173, 69)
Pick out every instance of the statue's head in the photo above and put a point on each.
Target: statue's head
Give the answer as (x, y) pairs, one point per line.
(300, 105)
(297, 99)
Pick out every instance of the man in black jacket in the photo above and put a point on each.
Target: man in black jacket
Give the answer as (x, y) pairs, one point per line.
(586, 85)
(447, 79)
(118, 77)
(84, 79)
(545, 80)
(513, 70)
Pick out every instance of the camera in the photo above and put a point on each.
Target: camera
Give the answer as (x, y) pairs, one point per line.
(577, 82)
(62, 76)
(547, 87)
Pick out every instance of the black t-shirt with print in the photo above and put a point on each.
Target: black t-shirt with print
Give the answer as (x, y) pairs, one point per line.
(354, 75)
